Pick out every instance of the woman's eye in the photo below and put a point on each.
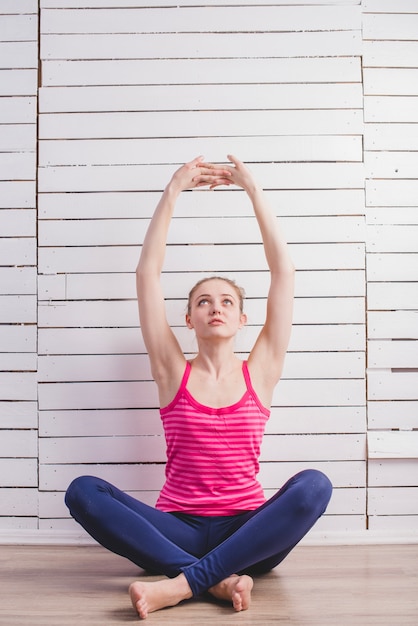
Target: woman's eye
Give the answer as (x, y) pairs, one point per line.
(227, 301)
(203, 301)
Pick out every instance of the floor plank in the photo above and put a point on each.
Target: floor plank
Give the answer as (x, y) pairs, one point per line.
(314, 586)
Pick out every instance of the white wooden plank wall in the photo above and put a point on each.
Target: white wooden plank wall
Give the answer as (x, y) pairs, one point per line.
(128, 94)
(128, 91)
(18, 349)
(390, 71)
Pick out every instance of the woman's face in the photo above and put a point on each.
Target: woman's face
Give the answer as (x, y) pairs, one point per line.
(215, 310)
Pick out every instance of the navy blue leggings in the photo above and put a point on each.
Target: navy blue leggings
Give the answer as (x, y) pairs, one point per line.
(205, 549)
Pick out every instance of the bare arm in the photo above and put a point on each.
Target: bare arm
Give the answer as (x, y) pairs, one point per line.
(166, 357)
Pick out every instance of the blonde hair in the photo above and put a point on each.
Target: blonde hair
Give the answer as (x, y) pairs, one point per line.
(238, 290)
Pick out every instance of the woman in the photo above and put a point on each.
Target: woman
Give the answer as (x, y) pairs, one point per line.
(211, 529)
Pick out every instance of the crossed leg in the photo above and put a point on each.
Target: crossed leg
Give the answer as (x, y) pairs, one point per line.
(260, 538)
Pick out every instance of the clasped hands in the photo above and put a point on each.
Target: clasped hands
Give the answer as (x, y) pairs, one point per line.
(198, 173)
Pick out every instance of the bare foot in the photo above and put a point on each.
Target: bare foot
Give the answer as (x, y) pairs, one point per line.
(149, 597)
(236, 589)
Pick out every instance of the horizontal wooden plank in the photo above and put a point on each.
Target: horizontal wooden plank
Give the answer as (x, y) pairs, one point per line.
(398, 81)
(198, 230)
(129, 340)
(18, 222)
(392, 296)
(394, 109)
(18, 415)
(136, 151)
(19, 523)
(392, 238)
(401, 26)
(203, 19)
(393, 325)
(18, 386)
(74, 450)
(386, 385)
(392, 267)
(17, 195)
(18, 338)
(103, 205)
(20, 362)
(18, 110)
(19, 472)
(19, 27)
(198, 123)
(401, 414)
(200, 45)
(288, 420)
(201, 71)
(83, 4)
(393, 501)
(390, 136)
(125, 395)
(190, 97)
(17, 166)
(15, 309)
(133, 367)
(24, 6)
(16, 502)
(100, 423)
(390, 164)
(142, 177)
(18, 280)
(402, 193)
(390, 53)
(122, 285)
(392, 215)
(342, 474)
(18, 251)
(18, 137)
(313, 448)
(124, 313)
(392, 472)
(150, 449)
(392, 444)
(18, 54)
(393, 354)
(19, 82)
(393, 523)
(327, 420)
(389, 6)
(207, 259)
(18, 443)
(57, 477)
(128, 477)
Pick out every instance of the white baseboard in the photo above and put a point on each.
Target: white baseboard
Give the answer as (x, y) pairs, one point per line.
(314, 538)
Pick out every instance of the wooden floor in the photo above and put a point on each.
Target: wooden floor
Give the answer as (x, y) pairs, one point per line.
(314, 586)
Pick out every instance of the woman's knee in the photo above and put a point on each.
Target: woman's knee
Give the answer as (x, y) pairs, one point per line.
(80, 490)
(316, 487)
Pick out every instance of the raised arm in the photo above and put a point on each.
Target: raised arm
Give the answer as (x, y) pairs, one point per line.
(267, 356)
(166, 357)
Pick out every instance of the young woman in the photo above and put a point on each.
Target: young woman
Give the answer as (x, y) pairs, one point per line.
(211, 529)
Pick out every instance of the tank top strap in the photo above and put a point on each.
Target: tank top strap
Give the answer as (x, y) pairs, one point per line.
(247, 376)
(185, 378)
(251, 389)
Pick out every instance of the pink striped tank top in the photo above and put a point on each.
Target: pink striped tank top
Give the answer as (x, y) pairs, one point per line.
(212, 453)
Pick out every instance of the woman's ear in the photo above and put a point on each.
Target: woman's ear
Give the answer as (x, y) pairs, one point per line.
(243, 320)
(188, 321)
